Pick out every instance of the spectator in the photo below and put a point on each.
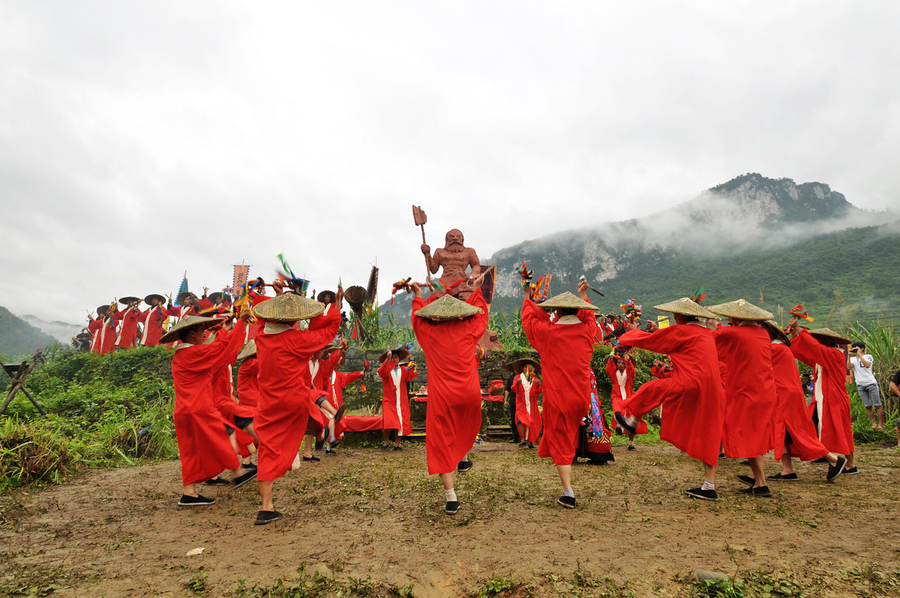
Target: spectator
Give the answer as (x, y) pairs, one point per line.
(866, 384)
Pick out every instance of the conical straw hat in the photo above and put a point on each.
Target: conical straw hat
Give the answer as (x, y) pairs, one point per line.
(774, 327)
(185, 324)
(685, 307)
(249, 350)
(567, 301)
(742, 310)
(448, 308)
(827, 332)
(518, 365)
(288, 308)
(402, 353)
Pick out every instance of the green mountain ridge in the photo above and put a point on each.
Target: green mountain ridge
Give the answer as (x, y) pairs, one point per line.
(19, 338)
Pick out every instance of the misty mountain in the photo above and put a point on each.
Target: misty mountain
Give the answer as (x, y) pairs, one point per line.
(19, 338)
(766, 240)
(61, 331)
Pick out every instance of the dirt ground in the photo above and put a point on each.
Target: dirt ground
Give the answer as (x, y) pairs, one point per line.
(374, 520)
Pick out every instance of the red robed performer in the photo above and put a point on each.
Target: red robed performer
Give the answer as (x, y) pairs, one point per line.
(448, 330)
(154, 320)
(621, 371)
(339, 381)
(692, 398)
(284, 382)
(565, 347)
(394, 398)
(127, 338)
(818, 349)
(528, 388)
(203, 443)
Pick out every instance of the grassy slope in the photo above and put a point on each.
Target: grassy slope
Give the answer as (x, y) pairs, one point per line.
(18, 338)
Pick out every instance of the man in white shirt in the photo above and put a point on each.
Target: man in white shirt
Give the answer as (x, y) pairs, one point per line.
(865, 381)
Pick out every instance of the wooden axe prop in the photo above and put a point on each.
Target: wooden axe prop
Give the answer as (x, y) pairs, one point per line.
(420, 219)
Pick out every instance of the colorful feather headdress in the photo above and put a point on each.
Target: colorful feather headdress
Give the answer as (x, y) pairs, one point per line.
(298, 285)
(799, 312)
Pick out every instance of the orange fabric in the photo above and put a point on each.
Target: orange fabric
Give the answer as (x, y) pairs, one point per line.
(692, 399)
(203, 443)
(453, 417)
(565, 352)
(749, 383)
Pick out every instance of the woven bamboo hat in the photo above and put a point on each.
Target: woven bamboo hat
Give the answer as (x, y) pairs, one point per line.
(103, 310)
(182, 296)
(828, 333)
(448, 308)
(741, 310)
(249, 350)
(216, 297)
(149, 298)
(773, 327)
(326, 297)
(288, 308)
(685, 307)
(129, 300)
(403, 353)
(518, 365)
(185, 324)
(567, 301)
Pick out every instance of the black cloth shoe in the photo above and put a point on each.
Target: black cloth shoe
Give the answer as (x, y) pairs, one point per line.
(631, 447)
(195, 501)
(385, 447)
(837, 469)
(531, 445)
(313, 458)
(761, 491)
(788, 477)
(624, 423)
(216, 481)
(464, 465)
(339, 415)
(702, 494)
(241, 480)
(746, 479)
(264, 517)
(819, 460)
(850, 471)
(513, 441)
(330, 451)
(248, 465)
(566, 501)
(452, 507)
(336, 442)
(398, 448)
(523, 443)
(745, 462)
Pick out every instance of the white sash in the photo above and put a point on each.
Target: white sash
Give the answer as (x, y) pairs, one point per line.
(313, 370)
(526, 386)
(396, 378)
(622, 378)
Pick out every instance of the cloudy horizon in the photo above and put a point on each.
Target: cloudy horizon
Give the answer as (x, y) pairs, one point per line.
(140, 141)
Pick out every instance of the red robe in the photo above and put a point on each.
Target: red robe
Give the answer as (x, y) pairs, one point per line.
(153, 319)
(284, 391)
(320, 371)
(199, 427)
(565, 351)
(527, 412)
(750, 396)
(692, 397)
(791, 413)
(453, 417)
(127, 338)
(394, 398)
(338, 381)
(621, 392)
(248, 384)
(94, 327)
(831, 400)
(104, 339)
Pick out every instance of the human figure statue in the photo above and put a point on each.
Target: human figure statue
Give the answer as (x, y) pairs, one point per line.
(454, 258)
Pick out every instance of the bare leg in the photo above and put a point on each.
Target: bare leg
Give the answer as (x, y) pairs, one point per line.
(308, 442)
(709, 473)
(265, 494)
(787, 465)
(630, 439)
(251, 431)
(447, 480)
(851, 462)
(756, 466)
(565, 475)
(190, 490)
(871, 415)
(880, 411)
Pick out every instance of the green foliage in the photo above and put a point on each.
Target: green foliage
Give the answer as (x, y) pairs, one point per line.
(497, 585)
(881, 342)
(720, 588)
(509, 330)
(385, 330)
(20, 339)
(108, 410)
(197, 584)
(313, 585)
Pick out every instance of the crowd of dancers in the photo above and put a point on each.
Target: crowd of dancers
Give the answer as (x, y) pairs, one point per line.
(289, 388)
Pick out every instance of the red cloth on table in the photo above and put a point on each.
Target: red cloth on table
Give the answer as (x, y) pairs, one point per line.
(248, 384)
(285, 396)
(338, 381)
(565, 351)
(127, 338)
(692, 398)
(394, 398)
(527, 412)
(203, 443)
(749, 383)
(453, 417)
(617, 395)
(832, 403)
(153, 319)
(361, 423)
(791, 413)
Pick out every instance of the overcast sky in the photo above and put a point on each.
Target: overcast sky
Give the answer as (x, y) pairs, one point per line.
(140, 140)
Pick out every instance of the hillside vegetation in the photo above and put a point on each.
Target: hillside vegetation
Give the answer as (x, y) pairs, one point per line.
(18, 338)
